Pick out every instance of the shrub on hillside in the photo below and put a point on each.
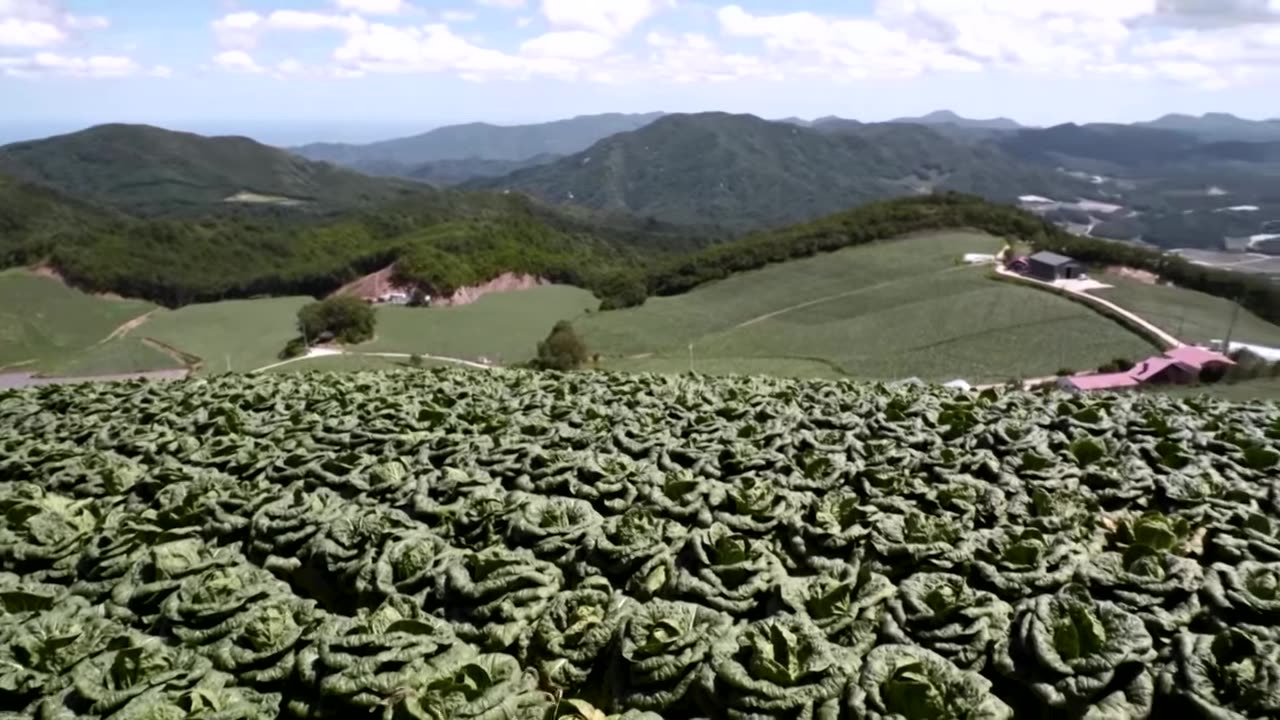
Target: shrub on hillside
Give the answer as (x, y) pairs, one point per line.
(562, 350)
(347, 319)
(296, 347)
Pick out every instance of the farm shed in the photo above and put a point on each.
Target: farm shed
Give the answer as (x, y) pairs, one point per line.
(1200, 358)
(1087, 383)
(1049, 266)
(1164, 371)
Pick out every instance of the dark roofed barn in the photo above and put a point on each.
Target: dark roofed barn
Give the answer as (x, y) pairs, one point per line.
(1048, 266)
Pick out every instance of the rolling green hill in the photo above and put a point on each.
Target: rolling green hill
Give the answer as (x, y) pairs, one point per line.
(886, 310)
(743, 172)
(151, 171)
(43, 322)
(456, 172)
(476, 141)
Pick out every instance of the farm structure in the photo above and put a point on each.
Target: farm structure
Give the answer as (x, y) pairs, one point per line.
(1050, 267)
(1182, 365)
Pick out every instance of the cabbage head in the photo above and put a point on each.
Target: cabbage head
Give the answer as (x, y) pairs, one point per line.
(1079, 655)
(906, 682)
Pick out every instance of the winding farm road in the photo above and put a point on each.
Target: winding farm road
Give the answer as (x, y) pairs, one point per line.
(329, 352)
(1168, 340)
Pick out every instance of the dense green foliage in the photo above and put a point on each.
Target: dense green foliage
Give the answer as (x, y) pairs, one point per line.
(514, 545)
(151, 171)
(562, 350)
(744, 172)
(181, 261)
(343, 318)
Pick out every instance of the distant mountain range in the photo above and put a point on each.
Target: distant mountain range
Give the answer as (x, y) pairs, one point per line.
(152, 171)
(1219, 126)
(476, 141)
(741, 171)
(946, 117)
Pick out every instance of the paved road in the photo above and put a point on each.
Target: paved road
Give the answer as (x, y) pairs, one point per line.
(10, 381)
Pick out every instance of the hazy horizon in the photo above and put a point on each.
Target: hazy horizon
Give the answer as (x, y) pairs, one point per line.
(296, 71)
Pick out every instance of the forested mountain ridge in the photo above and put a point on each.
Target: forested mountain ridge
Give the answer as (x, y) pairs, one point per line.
(147, 170)
(476, 141)
(744, 172)
(469, 238)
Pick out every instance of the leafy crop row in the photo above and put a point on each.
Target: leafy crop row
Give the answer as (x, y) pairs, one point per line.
(511, 545)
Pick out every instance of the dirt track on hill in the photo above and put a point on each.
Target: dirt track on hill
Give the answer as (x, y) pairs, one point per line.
(126, 327)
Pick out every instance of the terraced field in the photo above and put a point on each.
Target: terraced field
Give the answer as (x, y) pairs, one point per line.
(890, 310)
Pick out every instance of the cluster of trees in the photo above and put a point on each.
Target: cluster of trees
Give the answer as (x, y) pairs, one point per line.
(562, 350)
(442, 240)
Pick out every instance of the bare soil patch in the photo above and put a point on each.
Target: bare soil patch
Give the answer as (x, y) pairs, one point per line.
(377, 284)
(1143, 276)
(370, 286)
(46, 270)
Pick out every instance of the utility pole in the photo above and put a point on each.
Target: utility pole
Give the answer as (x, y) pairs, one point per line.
(1235, 312)
(690, 358)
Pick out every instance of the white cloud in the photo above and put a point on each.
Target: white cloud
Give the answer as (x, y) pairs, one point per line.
(161, 71)
(373, 7)
(1221, 42)
(504, 4)
(457, 16)
(571, 44)
(808, 43)
(243, 30)
(48, 63)
(604, 17)
(41, 23)
(692, 57)
(237, 61)
(45, 24)
(15, 32)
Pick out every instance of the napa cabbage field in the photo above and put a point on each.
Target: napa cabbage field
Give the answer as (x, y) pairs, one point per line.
(511, 545)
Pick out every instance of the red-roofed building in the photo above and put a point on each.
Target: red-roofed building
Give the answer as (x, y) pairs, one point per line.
(1199, 357)
(1179, 366)
(1104, 381)
(1163, 371)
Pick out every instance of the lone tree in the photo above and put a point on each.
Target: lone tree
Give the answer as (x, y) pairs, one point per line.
(562, 350)
(346, 319)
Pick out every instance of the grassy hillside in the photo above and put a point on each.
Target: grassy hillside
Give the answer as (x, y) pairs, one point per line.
(149, 170)
(43, 321)
(886, 310)
(741, 171)
(477, 141)
(1189, 315)
(504, 327)
(129, 354)
(235, 335)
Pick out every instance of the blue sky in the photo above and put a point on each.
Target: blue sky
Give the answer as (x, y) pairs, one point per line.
(288, 71)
